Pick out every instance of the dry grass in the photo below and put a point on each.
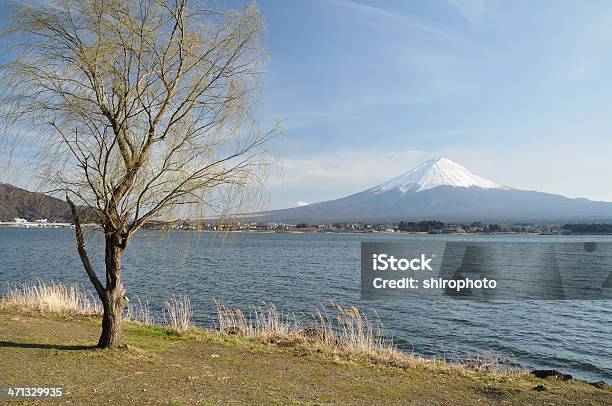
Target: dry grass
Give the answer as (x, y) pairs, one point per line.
(490, 362)
(139, 313)
(52, 297)
(349, 328)
(341, 329)
(179, 312)
(61, 298)
(264, 321)
(344, 331)
(333, 328)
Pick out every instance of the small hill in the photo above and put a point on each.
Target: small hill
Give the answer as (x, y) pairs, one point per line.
(17, 202)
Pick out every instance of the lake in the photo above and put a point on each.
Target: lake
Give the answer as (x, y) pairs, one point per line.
(298, 272)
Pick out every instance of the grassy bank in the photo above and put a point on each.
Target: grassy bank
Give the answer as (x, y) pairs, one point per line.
(157, 366)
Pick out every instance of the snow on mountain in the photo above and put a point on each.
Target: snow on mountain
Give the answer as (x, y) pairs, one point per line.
(434, 173)
(444, 190)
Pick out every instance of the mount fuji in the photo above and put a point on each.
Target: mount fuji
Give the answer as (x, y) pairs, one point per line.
(434, 173)
(444, 190)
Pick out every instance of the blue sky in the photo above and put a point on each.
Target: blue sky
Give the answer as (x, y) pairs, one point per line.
(519, 92)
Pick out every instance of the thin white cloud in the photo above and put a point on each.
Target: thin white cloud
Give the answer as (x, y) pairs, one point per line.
(391, 19)
(348, 110)
(345, 170)
(301, 203)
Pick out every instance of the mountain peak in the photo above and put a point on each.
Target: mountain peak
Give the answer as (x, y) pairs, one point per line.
(437, 172)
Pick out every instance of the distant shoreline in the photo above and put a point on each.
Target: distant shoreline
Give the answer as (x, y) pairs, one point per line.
(466, 234)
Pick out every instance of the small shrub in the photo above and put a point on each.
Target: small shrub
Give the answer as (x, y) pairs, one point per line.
(179, 312)
(139, 312)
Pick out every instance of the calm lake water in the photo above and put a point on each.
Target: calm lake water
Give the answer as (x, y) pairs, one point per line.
(298, 272)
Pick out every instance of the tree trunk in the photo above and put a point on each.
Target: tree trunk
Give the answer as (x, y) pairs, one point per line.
(111, 324)
(113, 297)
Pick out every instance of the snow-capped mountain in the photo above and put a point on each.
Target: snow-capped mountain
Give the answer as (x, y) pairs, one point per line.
(434, 173)
(444, 190)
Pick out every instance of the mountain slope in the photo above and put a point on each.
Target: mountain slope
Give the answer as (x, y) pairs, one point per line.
(445, 190)
(434, 173)
(16, 202)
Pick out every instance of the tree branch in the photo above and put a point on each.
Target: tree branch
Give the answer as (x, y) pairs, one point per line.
(83, 251)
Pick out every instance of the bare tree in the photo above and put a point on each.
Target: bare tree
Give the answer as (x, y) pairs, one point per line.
(142, 107)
